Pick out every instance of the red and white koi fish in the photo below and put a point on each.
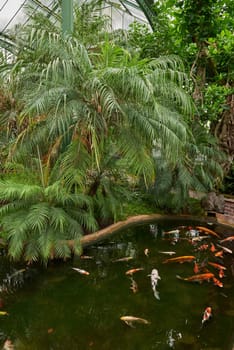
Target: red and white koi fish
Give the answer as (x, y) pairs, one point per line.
(130, 272)
(207, 231)
(180, 259)
(217, 282)
(207, 314)
(130, 320)
(82, 272)
(228, 239)
(221, 274)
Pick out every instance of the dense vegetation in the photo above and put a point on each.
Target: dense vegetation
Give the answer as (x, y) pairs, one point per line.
(98, 124)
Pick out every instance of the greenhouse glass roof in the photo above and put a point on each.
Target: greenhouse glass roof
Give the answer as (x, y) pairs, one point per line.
(121, 12)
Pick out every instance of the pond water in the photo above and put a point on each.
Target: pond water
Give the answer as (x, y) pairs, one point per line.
(59, 308)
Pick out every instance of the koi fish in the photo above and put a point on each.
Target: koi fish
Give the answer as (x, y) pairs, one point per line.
(196, 267)
(221, 274)
(207, 231)
(3, 313)
(130, 272)
(217, 282)
(203, 247)
(154, 281)
(82, 272)
(86, 257)
(180, 259)
(207, 314)
(126, 258)
(197, 278)
(217, 266)
(146, 252)
(212, 248)
(228, 239)
(199, 238)
(134, 286)
(168, 253)
(129, 320)
(219, 254)
(225, 249)
(172, 232)
(8, 345)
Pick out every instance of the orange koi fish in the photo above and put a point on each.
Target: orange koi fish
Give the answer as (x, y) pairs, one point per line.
(217, 282)
(130, 272)
(180, 259)
(207, 231)
(228, 239)
(197, 278)
(212, 248)
(196, 267)
(82, 272)
(207, 314)
(217, 266)
(219, 254)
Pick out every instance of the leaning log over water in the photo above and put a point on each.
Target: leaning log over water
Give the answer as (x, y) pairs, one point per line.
(106, 232)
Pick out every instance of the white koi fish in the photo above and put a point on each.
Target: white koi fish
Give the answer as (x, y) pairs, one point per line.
(154, 276)
(129, 320)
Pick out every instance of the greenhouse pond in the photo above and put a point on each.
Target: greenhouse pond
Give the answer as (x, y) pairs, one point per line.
(60, 308)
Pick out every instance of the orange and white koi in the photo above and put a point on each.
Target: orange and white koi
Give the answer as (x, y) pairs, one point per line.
(228, 239)
(221, 274)
(82, 272)
(217, 266)
(130, 272)
(217, 282)
(197, 278)
(219, 254)
(180, 259)
(207, 231)
(207, 314)
(126, 258)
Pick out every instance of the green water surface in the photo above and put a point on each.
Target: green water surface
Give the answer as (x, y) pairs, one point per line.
(58, 308)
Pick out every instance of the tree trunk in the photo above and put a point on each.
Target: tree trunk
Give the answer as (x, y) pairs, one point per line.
(129, 222)
(224, 131)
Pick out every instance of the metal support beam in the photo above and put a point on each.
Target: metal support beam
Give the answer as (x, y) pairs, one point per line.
(67, 16)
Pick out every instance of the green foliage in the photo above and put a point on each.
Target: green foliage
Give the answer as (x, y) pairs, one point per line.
(37, 221)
